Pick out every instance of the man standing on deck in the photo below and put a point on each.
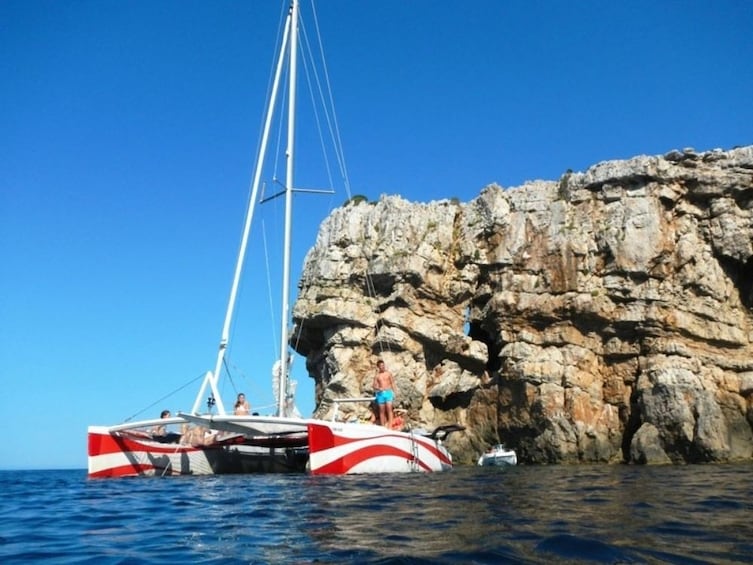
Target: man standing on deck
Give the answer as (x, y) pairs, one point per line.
(385, 389)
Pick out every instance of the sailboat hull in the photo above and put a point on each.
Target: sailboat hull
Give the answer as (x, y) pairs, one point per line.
(321, 447)
(344, 449)
(130, 453)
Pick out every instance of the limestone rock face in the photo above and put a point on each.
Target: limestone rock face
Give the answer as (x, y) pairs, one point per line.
(603, 317)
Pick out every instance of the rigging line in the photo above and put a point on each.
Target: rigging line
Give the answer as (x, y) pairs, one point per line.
(278, 111)
(327, 107)
(309, 72)
(280, 123)
(269, 288)
(311, 69)
(152, 405)
(340, 152)
(253, 391)
(270, 80)
(264, 407)
(227, 370)
(281, 33)
(326, 102)
(371, 292)
(233, 328)
(380, 342)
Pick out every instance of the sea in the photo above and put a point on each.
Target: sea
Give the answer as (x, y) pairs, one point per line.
(524, 514)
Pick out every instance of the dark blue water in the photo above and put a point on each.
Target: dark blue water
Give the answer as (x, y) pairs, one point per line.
(591, 514)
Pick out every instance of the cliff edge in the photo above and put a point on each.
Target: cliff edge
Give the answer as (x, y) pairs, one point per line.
(603, 317)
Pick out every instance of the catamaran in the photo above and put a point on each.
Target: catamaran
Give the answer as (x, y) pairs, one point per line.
(218, 442)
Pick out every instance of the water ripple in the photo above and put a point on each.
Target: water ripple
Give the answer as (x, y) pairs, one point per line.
(589, 514)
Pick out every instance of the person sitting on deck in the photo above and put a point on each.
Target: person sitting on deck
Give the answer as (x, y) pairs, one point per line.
(161, 433)
(398, 423)
(161, 430)
(242, 407)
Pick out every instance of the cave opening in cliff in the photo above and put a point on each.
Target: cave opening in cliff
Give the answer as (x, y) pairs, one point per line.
(379, 284)
(631, 417)
(741, 275)
(494, 347)
(746, 284)
(453, 401)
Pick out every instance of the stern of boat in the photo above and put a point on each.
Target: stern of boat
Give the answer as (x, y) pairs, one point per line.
(341, 449)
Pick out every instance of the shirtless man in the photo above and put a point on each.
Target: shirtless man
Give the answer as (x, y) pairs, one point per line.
(385, 389)
(161, 431)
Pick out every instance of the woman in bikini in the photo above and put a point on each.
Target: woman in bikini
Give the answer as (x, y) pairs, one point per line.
(241, 406)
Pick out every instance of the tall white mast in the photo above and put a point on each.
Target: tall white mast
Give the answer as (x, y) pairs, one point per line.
(211, 379)
(282, 385)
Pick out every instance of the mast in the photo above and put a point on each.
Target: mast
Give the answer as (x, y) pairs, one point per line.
(211, 379)
(284, 356)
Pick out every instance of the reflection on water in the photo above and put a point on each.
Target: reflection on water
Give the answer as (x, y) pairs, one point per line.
(598, 514)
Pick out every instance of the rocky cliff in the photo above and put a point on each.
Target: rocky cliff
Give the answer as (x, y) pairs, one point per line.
(603, 317)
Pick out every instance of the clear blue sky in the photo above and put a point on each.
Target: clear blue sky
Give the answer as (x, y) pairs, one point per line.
(127, 131)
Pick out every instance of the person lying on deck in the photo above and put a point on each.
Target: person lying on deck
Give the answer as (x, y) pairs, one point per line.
(197, 436)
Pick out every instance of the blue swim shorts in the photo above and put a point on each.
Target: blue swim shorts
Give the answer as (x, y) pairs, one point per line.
(385, 396)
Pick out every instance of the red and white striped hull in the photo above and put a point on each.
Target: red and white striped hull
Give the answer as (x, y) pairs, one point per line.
(130, 453)
(322, 447)
(342, 449)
